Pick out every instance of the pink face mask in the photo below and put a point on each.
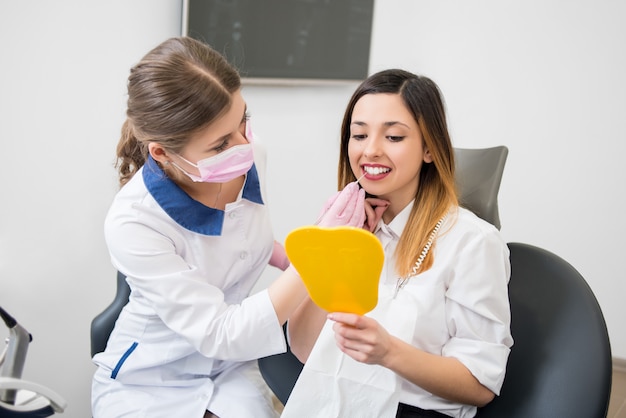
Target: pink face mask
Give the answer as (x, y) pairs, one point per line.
(223, 167)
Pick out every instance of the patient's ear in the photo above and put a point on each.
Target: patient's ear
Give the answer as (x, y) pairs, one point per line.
(427, 157)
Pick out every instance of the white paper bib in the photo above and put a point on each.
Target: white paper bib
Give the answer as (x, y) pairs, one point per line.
(332, 384)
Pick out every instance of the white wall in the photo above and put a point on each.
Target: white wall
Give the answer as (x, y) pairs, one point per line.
(62, 102)
(544, 78)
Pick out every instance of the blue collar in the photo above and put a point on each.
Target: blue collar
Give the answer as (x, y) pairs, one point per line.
(189, 213)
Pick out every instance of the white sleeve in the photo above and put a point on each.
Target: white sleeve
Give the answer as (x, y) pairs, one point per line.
(477, 308)
(181, 297)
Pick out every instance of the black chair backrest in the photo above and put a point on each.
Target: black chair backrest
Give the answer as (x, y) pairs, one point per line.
(102, 325)
(560, 364)
(280, 372)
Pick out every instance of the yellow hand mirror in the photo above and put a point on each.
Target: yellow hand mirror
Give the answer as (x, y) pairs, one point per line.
(340, 266)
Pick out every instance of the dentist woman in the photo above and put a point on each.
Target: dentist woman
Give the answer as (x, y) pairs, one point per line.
(191, 231)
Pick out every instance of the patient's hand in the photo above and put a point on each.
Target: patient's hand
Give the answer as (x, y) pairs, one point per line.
(374, 209)
(361, 337)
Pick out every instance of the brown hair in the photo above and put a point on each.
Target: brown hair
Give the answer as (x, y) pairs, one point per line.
(178, 88)
(436, 192)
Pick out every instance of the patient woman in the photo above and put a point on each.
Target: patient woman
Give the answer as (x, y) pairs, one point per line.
(437, 343)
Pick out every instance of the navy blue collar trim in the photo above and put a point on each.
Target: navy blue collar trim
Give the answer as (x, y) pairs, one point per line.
(189, 213)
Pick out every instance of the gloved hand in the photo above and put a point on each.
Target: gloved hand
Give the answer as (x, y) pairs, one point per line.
(374, 209)
(279, 257)
(344, 208)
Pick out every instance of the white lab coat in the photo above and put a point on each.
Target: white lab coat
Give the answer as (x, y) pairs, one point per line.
(458, 308)
(189, 337)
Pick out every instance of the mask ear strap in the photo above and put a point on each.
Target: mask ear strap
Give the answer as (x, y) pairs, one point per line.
(193, 177)
(185, 160)
(249, 133)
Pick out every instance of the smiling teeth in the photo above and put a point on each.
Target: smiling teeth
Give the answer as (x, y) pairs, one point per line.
(376, 170)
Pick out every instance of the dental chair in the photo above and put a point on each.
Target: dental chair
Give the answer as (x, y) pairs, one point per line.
(560, 364)
(21, 398)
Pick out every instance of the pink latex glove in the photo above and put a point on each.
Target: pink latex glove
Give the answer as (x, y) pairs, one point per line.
(279, 257)
(374, 209)
(344, 208)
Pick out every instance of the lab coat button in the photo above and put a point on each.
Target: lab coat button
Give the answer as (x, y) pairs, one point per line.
(243, 255)
(232, 215)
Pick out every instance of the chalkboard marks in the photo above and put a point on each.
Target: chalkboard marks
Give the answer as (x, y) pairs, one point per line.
(290, 41)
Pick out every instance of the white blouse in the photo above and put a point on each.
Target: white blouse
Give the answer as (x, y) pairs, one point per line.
(462, 302)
